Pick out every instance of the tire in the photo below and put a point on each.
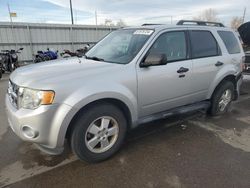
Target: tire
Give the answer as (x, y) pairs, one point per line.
(0, 74)
(46, 58)
(17, 65)
(90, 121)
(38, 60)
(11, 66)
(217, 106)
(66, 56)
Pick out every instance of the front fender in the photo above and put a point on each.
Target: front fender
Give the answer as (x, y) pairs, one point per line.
(87, 95)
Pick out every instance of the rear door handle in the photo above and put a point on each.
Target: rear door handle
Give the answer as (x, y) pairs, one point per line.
(219, 63)
(182, 70)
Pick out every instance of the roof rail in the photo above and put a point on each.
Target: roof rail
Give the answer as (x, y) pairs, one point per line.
(146, 24)
(197, 22)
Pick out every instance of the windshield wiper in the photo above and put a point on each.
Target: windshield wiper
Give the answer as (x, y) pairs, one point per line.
(94, 58)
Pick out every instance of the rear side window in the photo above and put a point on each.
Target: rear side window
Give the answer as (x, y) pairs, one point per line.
(230, 41)
(203, 44)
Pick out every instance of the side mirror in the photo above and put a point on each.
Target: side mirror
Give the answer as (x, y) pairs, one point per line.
(154, 59)
(20, 48)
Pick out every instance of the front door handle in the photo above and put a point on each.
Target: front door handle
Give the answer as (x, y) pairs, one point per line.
(182, 70)
(219, 63)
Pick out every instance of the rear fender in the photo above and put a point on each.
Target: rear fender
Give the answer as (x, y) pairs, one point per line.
(222, 74)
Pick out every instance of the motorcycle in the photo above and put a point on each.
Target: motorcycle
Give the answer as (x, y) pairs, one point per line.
(9, 60)
(1, 67)
(79, 53)
(46, 56)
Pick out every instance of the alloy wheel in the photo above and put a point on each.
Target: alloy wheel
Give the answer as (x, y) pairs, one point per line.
(102, 134)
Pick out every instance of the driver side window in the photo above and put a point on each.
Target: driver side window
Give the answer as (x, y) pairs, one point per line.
(172, 45)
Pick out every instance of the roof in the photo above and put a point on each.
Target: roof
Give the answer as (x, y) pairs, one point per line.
(159, 27)
(185, 24)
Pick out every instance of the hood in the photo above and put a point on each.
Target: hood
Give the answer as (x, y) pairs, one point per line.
(244, 31)
(43, 75)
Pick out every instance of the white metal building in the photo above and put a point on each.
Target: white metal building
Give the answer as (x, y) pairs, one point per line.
(33, 37)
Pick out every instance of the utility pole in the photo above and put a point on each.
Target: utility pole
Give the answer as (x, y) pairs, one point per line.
(9, 13)
(96, 18)
(12, 27)
(244, 15)
(71, 11)
(96, 23)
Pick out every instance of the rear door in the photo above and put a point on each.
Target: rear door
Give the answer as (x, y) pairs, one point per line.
(207, 61)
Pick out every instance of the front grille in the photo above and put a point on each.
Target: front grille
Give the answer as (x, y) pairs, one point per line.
(13, 93)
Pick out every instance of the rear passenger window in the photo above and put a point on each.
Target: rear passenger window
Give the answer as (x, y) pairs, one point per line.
(203, 44)
(230, 41)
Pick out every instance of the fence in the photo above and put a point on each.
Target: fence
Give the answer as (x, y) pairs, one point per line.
(33, 37)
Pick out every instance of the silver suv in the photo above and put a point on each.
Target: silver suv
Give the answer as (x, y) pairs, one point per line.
(132, 76)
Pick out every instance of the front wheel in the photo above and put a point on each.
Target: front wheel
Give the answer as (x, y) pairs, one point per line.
(98, 133)
(16, 65)
(11, 66)
(38, 60)
(222, 99)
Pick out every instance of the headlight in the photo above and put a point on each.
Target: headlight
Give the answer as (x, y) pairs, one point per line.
(32, 99)
(14, 56)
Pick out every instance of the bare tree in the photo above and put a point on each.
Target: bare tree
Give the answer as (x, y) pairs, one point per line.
(209, 15)
(236, 22)
(108, 22)
(121, 23)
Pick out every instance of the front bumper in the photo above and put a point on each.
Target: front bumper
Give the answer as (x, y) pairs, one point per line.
(45, 122)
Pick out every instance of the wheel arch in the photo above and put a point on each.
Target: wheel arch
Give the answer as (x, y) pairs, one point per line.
(231, 78)
(116, 102)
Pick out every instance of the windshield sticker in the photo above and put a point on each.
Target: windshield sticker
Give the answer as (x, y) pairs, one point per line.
(143, 32)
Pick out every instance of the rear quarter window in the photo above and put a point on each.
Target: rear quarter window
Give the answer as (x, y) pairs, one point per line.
(230, 41)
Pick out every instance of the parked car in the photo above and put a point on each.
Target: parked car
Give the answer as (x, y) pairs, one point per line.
(244, 31)
(247, 61)
(132, 76)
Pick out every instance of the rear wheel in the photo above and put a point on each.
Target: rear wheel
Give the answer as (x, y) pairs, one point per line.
(222, 98)
(98, 133)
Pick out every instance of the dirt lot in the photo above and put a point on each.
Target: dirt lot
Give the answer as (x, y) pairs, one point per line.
(188, 151)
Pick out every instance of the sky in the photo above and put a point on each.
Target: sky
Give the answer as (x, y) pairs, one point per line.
(132, 12)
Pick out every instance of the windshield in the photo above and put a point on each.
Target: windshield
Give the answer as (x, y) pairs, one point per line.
(120, 46)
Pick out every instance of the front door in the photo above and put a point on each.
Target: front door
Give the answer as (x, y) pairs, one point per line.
(166, 86)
